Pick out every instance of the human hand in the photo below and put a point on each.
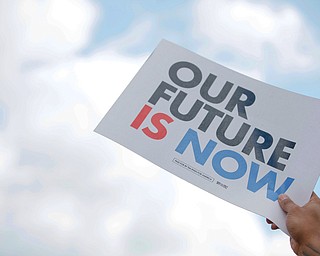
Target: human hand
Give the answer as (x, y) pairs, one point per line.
(303, 224)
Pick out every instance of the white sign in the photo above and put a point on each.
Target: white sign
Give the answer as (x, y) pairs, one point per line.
(237, 138)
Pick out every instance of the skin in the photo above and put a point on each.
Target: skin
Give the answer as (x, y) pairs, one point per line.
(303, 224)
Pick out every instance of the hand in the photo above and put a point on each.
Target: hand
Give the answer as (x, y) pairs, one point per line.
(303, 224)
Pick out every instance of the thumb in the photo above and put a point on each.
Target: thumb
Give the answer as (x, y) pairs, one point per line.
(286, 203)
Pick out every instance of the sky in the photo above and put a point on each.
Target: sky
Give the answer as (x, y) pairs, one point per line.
(65, 190)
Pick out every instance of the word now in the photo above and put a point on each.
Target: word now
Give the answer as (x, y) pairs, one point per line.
(201, 157)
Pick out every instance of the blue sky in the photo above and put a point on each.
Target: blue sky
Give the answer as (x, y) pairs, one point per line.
(173, 20)
(65, 190)
(170, 16)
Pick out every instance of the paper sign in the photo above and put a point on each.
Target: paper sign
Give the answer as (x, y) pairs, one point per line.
(237, 138)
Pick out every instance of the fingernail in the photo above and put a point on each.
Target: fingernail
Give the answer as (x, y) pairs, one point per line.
(282, 197)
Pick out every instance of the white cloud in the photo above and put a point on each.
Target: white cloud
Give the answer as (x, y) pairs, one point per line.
(58, 188)
(257, 31)
(215, 226)
(64, 186)
(104, 75)
(50, 29)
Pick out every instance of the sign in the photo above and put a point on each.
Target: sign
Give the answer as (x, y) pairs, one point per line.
(237, 138)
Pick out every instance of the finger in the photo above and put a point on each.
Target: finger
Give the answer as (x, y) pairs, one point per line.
(294, 245)
(286, 203)
(274, 226)
(269, 221)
